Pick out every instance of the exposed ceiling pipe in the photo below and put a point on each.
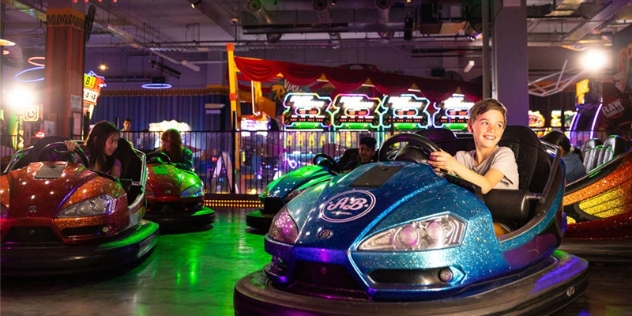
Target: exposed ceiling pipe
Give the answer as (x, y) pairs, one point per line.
(383, 10)
(597, 20)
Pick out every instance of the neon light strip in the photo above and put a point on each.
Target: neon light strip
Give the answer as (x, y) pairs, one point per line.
(17, 76)
(592, 128)
(156, 86)
(32, 60)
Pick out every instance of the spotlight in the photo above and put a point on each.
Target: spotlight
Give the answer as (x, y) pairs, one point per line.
(196, 3)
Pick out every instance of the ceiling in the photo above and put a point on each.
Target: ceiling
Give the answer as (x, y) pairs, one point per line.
(187, 35)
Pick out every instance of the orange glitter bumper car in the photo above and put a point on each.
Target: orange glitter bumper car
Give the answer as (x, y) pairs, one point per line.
(59, 217)
(599, 207)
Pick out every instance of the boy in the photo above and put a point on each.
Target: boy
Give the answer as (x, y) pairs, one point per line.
(489, 165)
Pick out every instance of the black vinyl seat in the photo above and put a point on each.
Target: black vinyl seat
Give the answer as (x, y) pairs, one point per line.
(512, 207)
(131, 166)
(597, 153)
(590, 152)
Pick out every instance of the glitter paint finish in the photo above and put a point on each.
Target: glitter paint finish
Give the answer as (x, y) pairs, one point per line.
(621, 174)
(415, 193)
(166, 203)
(604, 205)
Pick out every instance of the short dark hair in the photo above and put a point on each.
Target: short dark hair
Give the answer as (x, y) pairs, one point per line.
(559, 139)
(368, 141)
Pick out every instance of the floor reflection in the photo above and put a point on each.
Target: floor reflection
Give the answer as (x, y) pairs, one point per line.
(193, 273)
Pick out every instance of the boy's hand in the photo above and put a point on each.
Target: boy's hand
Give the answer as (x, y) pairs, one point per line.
(443, 161)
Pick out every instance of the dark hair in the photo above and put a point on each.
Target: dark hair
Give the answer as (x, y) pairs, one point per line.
(558, 139)
(127, 120)
(485, 105)
(175, 144)
(368, 141)
(95, 143)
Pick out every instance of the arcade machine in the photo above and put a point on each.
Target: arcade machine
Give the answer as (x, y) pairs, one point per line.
(602, 110)
(537, 123)
(406, 112)
(306, 124)
(355, 116)
(452, 113)
(254, 132)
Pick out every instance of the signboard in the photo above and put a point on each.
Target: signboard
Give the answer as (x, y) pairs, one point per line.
(306, 111)
(453, 113)
(355, 111)
(406, 112)
(92, 84)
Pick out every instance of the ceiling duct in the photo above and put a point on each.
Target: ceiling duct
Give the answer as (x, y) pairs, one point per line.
(596, 21)
(256, 8)
(383, 7)
(383, 12)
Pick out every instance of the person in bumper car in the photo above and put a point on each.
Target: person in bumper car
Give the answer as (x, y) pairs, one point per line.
(100, 146)
(180, 156)
(489, 166)
(574, 167)
(366, 154)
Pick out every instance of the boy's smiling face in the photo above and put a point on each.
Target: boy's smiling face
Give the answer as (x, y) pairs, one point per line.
(487, 129)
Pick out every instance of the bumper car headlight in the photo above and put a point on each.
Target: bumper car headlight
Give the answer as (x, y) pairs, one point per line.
(195, 190)
(434, 233)
(283, 228)
(100, 205)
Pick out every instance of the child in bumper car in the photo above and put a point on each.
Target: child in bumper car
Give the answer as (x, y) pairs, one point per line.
(489, 166)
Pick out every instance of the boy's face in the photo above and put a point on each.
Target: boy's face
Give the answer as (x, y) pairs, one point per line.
(366, 153)
(487, 129)
(127, 125)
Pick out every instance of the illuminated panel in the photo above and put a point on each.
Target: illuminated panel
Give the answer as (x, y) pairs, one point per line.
(406, 112)
(92, 84)
(306, 111)
(355, 111)
(453, 113)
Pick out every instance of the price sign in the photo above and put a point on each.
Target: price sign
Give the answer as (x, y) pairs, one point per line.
(89, 81)
(90, 96)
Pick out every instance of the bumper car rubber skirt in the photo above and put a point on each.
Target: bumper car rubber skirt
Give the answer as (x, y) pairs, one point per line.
(539, 293)
(61, 259)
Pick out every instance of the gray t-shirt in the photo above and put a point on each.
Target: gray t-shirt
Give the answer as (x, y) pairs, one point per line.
(502, 159)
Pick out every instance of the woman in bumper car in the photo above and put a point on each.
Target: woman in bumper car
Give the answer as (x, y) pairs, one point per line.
(172, 145)
(100, 146)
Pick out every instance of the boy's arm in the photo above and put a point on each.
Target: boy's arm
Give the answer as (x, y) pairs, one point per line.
(445, 161)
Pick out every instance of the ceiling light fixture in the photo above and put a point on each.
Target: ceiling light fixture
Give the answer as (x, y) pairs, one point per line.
(196, 3)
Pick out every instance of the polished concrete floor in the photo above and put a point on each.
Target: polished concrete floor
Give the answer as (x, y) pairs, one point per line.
(194, 273)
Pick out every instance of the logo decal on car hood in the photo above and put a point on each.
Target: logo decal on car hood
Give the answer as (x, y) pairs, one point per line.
(347, 206)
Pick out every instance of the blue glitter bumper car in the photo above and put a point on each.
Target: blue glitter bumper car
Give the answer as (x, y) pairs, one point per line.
(396, 237)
